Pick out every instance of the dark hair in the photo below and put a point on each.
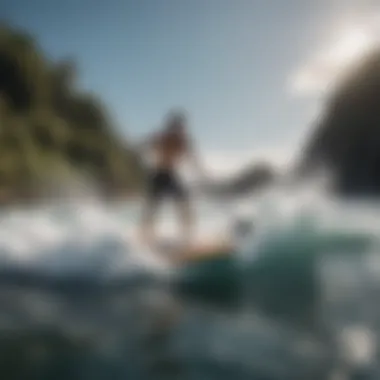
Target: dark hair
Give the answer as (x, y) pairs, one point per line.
(176, 118)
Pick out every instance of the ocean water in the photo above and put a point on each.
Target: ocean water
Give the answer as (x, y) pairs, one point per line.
(81, 299)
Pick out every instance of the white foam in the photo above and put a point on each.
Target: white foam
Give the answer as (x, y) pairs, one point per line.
(89, 235)
(83, 236)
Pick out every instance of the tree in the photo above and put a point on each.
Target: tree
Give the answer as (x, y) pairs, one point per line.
(47, 122)
(347, 139)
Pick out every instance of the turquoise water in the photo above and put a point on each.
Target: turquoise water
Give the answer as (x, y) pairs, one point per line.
(297, 299)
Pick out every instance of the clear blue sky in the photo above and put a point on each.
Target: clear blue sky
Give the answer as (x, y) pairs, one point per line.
(226, 61)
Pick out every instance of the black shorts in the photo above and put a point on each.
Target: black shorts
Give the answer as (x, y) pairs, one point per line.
(164, 183)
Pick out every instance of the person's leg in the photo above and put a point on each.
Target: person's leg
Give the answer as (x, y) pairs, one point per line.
(150, 208)
(186, 218)
(149, 214)
(184, 209)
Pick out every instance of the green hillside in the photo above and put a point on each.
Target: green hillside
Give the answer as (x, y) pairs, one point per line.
(51, 132)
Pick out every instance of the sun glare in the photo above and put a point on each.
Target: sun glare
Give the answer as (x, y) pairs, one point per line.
(351, 45)
(346, 46)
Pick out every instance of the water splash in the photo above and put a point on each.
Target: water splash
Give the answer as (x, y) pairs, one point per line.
(310, 263)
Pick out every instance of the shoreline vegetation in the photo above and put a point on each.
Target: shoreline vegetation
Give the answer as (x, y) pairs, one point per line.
(345, 141)
(55, 139)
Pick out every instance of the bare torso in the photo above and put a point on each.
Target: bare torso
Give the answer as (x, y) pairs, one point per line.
(169, 149)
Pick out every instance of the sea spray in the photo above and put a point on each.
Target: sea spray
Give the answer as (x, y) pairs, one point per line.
(302, 264)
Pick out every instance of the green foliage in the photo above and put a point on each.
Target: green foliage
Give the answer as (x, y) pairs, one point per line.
(49, 128)
(346, 139)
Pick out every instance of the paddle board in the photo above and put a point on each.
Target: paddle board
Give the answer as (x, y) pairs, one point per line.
(180, 254)
(204, 270)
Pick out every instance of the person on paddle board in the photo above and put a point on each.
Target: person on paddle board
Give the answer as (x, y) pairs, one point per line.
(170, 146)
